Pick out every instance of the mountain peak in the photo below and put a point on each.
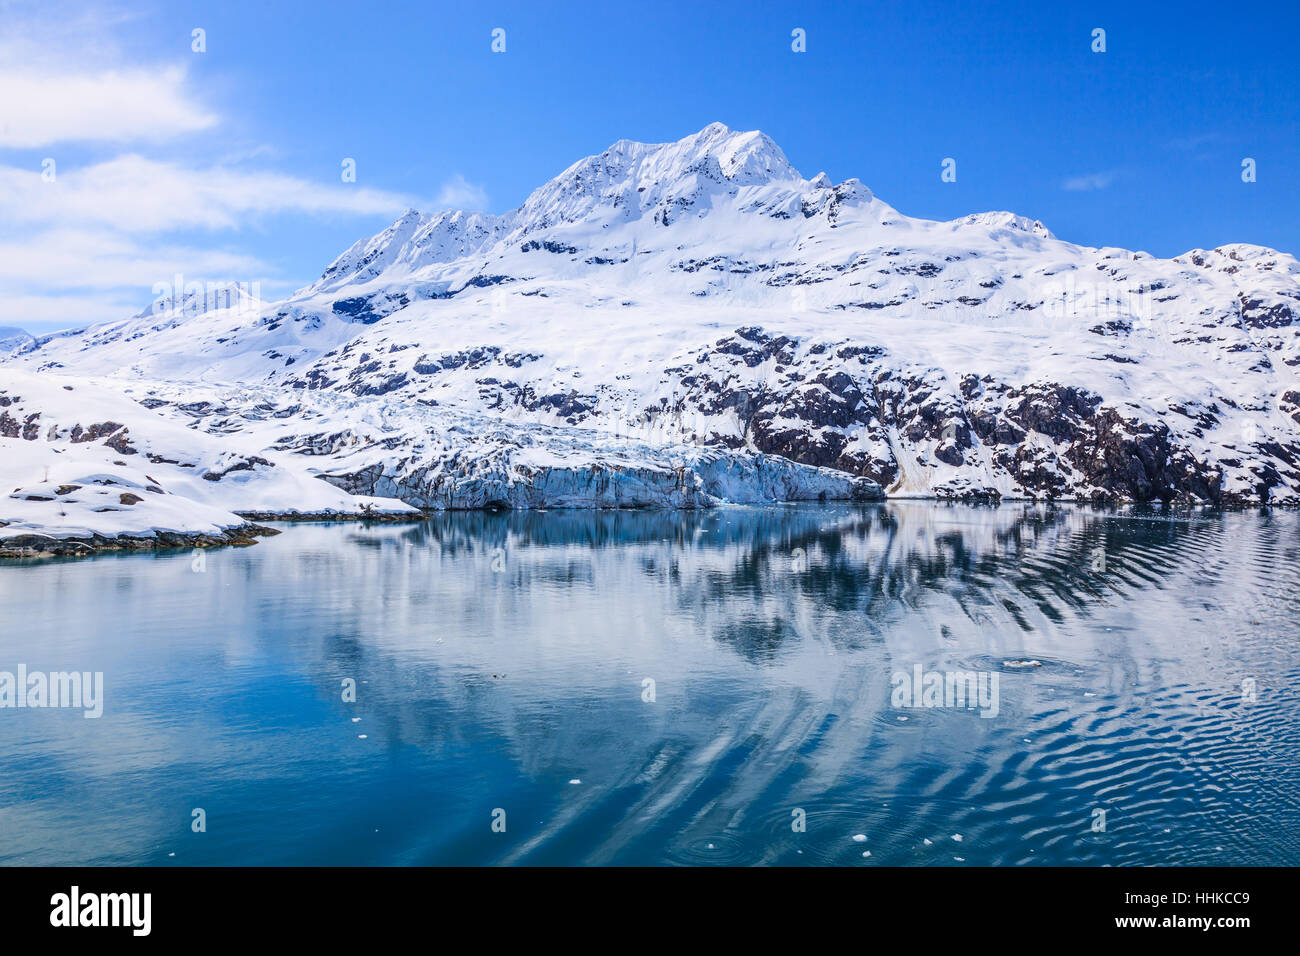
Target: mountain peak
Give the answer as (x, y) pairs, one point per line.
(631, 179)
(996, 220)
(744, 156)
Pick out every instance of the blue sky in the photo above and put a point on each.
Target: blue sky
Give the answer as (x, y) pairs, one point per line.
(226, 164)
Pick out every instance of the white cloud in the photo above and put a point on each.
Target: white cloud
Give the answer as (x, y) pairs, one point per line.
(138, 195)
(1195, 141)
(45, 313)
(64, 259)
(90, 244)
(1088, 182)
(459, 193)
(39, 109)
(102, 227)
(70, 277)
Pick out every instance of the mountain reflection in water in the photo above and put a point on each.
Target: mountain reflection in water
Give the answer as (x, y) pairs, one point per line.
(1146, 666)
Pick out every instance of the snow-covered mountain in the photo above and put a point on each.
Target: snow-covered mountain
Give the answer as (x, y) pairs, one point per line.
(658, 299)
(14, 341)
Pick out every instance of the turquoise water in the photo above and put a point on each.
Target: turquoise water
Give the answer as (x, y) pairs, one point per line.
(497, 658)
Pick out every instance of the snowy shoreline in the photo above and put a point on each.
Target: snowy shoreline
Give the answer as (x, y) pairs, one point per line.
(37, 545)
(32, 543)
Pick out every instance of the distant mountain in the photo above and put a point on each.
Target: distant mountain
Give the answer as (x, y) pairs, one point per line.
(703, 295)
(14, 341)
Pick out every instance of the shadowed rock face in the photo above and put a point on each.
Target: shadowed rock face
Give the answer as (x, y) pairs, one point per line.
(824, 403)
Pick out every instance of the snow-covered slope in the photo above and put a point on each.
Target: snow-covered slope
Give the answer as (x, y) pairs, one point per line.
(79, 460)
(702, 294)
(97, 460)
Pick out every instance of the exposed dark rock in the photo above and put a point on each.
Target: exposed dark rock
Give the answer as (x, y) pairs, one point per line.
(44, 546)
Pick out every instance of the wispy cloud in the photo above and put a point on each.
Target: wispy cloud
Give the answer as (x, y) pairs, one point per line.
(108, 228)
(40, 109)
(133, 194)
(65, 259)
(88, 243)
(46, 313)
(76, 277)
(1195, 141)
(459, 193)
(1088, 182)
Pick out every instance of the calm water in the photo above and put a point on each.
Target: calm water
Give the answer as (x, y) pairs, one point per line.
(497, 658)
